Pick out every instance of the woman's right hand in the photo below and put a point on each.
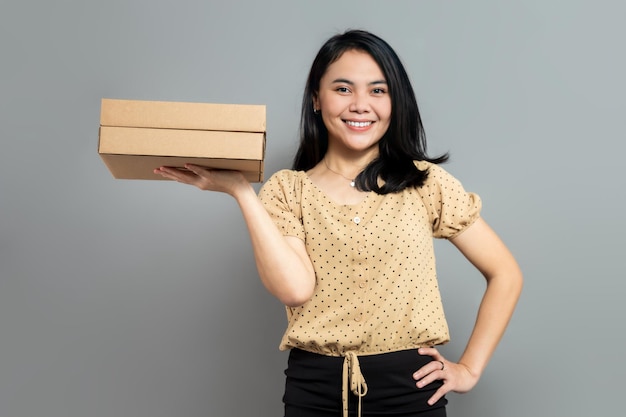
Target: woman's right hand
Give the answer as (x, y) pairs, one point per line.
(225, 181)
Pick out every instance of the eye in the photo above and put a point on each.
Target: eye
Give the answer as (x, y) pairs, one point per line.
(379, 91)
(343, 90)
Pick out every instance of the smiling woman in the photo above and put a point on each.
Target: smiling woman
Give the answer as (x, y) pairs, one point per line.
(355, 109)
(340, 66)
(354, 265)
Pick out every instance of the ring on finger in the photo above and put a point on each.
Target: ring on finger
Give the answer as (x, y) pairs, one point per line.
(443, 366)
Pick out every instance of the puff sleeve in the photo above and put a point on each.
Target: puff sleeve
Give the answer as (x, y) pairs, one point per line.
(451, 209)
(281, 197)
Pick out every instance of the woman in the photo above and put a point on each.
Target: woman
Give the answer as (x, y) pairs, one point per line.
(345, 241)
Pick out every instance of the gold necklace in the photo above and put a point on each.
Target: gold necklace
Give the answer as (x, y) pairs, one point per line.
(352, 180)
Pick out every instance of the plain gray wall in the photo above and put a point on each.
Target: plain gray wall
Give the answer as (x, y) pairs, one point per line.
(141, 299)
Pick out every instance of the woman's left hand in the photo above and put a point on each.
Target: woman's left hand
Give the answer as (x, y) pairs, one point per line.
(455, 376)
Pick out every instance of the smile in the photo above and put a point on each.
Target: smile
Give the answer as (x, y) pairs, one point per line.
(358, 124)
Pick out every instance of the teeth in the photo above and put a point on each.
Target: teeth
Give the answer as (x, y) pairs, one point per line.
(358, 124)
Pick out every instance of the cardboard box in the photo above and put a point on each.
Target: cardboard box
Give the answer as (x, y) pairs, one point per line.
(138, 136)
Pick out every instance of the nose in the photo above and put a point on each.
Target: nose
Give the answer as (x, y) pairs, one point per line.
(360, 103)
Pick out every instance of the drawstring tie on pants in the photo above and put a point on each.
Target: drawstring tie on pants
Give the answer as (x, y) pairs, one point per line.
(352, 378)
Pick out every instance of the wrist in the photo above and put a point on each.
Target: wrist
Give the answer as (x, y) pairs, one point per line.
(473, 370)
(243, 191)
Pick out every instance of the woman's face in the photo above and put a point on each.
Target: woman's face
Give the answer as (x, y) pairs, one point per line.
(354, 103)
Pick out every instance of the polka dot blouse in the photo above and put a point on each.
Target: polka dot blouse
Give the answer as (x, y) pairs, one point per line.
(376, 285)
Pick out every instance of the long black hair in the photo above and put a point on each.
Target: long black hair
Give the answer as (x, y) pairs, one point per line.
(402, 144)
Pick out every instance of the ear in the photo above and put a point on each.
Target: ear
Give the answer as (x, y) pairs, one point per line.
(316, 102)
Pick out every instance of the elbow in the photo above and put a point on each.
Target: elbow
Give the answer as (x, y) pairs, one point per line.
(297, 295)
(293, 303)
(290, 288)
(295, 298)
(509, 281)
(512, 282)
(518, 279)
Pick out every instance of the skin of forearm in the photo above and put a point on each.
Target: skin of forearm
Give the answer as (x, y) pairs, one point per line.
(493, 316)
(283, 271)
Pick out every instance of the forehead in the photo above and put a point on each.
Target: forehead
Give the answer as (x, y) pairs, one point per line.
(353, 65)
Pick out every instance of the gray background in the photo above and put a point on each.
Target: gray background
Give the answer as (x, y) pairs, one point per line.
(140, 298)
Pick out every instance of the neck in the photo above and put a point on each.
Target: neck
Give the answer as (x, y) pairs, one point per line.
(337, 172)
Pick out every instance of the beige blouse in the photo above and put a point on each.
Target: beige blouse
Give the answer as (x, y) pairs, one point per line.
(376, 285)
(376, 288)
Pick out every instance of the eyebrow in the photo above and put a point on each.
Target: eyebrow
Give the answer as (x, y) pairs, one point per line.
(345, 81)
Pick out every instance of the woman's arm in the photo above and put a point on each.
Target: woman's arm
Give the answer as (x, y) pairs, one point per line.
(282, 261)
(484, 249)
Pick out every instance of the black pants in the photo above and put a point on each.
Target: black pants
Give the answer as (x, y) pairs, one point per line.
(313, 386)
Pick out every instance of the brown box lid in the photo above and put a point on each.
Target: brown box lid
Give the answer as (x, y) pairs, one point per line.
(181, 115)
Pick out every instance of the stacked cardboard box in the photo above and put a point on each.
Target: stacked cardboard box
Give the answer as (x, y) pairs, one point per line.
(138, 136)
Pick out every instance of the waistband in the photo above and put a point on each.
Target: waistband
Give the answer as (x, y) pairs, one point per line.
(324, 382)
